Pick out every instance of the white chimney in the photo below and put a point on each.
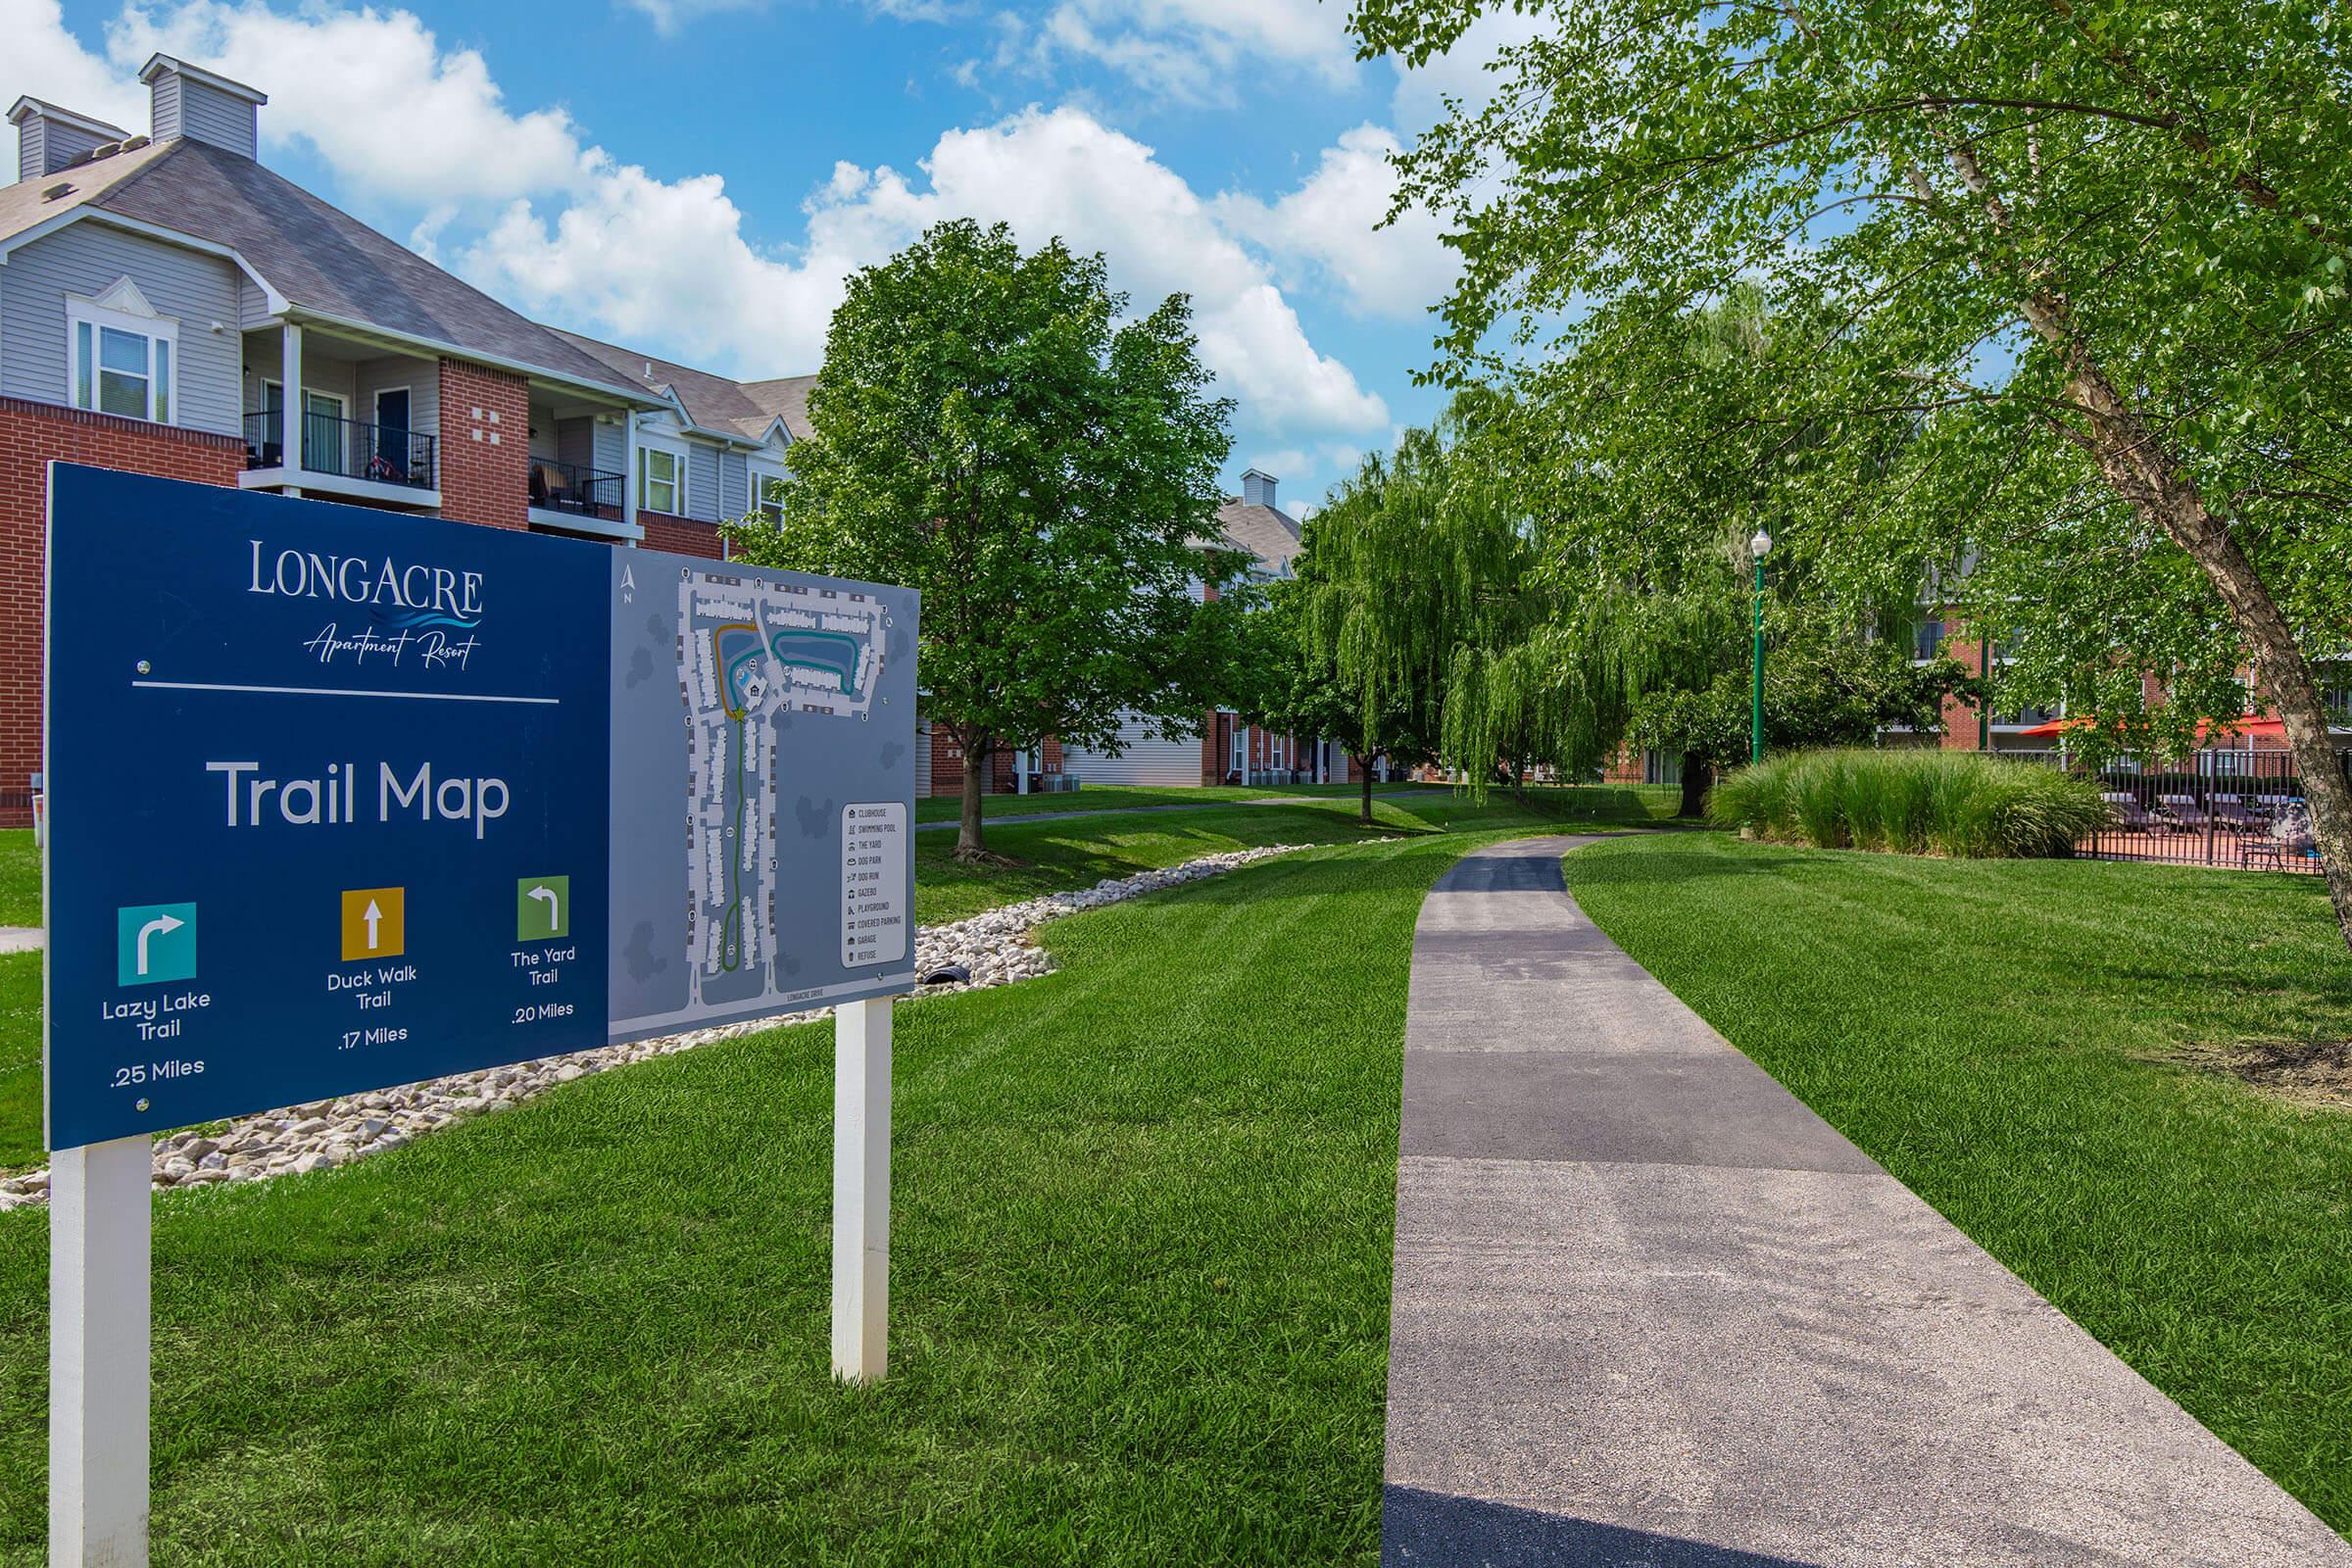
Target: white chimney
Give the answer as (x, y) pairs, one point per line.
(189, 101)
(48, 137)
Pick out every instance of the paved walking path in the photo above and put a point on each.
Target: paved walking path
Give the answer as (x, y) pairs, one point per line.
(1649, 1309)
(20, 939)
(1211, 804)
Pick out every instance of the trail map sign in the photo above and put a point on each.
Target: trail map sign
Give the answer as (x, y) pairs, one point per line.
(341, 798)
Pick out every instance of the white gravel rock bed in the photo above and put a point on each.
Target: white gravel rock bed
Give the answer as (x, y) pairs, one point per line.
(993, 948)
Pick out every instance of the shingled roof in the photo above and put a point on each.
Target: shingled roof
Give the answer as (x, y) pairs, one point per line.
(784, 398)
(315, 255)
(712, 402)
(1269, 535)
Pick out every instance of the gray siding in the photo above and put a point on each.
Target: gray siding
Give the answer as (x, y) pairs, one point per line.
(702, 482)
(611, 447)
(86, 259)
(576, 441)
(923, 759)
(422, 378)
(734, 484)
(43, 146)
(1143, 760)
(253, 306)
(185, 108)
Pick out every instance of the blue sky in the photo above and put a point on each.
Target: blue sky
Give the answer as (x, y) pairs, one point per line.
(696, 177)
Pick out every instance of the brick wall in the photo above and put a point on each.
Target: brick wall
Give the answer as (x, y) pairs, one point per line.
(947, 763)
(486, 446)
(680, 536)
(33, 436)
(1959, 713)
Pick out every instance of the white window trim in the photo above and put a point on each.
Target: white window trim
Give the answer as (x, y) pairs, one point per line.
(760, 471)
(157, 329)
(648, 444)
(342, 418)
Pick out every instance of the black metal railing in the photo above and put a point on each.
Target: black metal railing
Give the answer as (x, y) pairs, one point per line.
(584, 492)
(2238, 808)
(347, 448)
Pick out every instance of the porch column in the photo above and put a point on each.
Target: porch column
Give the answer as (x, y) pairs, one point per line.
(628, 465)
(289, 371)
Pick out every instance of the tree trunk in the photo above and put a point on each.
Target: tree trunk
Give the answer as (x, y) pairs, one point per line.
(1363, 769)
(2145, 477)
(1696, 776)
(976, 754)
(2139, 470)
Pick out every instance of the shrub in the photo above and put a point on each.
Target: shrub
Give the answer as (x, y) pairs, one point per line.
(1915, 802)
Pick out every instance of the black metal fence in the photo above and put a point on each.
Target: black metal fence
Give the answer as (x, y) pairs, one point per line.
(383, 453)
(560, 486)
(2242, 809)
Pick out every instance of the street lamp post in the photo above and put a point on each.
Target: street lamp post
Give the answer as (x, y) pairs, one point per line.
(1761, 546)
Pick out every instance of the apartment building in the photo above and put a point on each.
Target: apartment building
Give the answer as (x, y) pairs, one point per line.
(170, 305)
(1227, 751)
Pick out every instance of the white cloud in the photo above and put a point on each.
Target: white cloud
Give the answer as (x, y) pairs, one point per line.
(373, 91)
(48, 61)
(1462, 71)
(663, 262)
(520, 204)
(668, 259)
(668, 16)
(1193, 49)
(1329, 231)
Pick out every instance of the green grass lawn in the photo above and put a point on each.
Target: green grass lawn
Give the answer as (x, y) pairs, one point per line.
(1138, 1309)
(1053, 857)
(19, 1060)
(19, 878)
(1105, 797)
(2007, 1038)
(1607, 799)
(1078, 852)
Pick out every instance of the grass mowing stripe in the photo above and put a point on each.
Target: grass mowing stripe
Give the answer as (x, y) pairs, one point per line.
(19, 878)
(19, 1060)
(1143, 1217)
(2007, 1038)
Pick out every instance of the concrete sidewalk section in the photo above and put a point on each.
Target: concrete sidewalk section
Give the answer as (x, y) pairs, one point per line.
(1649, 1309)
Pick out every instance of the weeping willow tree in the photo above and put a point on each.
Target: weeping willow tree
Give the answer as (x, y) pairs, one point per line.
(1423, 589)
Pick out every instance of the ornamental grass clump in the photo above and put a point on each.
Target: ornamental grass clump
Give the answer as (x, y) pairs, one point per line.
(1965, 805)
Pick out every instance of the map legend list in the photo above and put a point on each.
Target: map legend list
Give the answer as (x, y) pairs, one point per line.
(874, 883)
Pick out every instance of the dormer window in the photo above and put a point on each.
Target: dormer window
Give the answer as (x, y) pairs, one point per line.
(122, 353)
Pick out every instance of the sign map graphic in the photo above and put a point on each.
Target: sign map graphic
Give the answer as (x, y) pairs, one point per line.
(441, 796)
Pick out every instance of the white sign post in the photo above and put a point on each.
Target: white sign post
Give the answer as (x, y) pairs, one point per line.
(862, 1190)
(98, 1353)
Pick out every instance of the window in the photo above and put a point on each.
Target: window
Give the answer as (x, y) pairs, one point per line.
(122, 363)
(1928, 639)
(768, 501)
(1241, 747)
(661, 480)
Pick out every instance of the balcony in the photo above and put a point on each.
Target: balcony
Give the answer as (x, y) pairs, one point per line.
(572, 495)
(343, 456)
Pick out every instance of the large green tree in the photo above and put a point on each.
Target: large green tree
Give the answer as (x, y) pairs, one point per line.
(1425, 596)
(2072, 279)
(1296, 688)
(986, 430)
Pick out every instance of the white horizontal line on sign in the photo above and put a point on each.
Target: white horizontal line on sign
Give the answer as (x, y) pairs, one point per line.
(339, 691)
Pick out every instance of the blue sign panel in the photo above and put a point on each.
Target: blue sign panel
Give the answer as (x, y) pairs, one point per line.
(342, 797)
